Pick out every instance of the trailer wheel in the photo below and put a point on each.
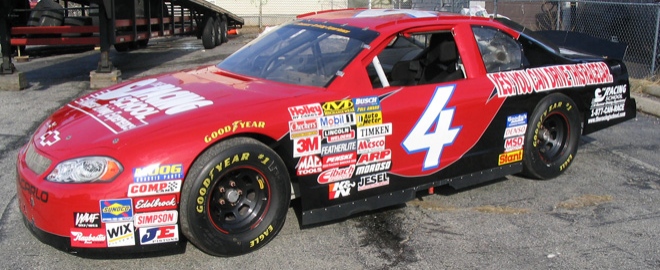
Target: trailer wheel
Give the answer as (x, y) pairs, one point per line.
(235, 197)
(224, 38)
(216, 27)
(552, 137)
(209, 33)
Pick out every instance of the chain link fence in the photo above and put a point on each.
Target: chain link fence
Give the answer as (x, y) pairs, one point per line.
(634, 22)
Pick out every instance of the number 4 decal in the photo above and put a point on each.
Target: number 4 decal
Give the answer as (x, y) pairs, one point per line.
(433, 129)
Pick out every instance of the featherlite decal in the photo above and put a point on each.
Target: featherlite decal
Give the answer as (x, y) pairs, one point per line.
(522, 82)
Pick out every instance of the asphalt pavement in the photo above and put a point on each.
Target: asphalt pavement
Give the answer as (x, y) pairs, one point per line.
(603, 213)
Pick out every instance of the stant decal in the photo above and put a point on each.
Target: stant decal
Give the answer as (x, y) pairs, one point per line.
(522, 82)
(510, 157)
(154, 188)
(116, 210)
(157, 235)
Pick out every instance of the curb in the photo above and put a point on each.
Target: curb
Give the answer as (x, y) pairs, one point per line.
(647, 105)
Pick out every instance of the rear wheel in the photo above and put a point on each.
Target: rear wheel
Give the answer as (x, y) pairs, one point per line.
(552, 137)
(235, 198)
(209, 33)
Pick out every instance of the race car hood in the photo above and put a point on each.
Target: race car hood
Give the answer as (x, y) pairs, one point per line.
(135, 111)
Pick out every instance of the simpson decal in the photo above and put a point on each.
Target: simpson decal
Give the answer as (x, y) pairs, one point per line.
(152, 219)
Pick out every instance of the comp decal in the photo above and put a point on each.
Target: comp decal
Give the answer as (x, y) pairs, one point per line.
(523, 82)
(154, 188)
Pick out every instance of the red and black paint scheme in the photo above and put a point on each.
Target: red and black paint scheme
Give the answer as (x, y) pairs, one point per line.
(215, 154)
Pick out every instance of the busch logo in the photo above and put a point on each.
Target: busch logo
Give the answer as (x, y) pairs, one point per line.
(366, 101)
(341, 189)
(306, 111)
(336, 174)
(308, 165)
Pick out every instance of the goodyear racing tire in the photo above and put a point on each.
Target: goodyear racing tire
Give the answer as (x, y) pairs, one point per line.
(209, 33)
(552, 137)
(235, 197)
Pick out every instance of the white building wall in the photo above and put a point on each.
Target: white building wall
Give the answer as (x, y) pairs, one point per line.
(276, 11)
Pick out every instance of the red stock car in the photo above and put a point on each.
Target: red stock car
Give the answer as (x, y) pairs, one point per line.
(348, 110)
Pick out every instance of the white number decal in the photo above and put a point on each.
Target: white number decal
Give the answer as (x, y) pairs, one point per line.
(433, 129)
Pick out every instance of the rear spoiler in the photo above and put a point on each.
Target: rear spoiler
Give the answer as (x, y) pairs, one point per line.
(585, 43)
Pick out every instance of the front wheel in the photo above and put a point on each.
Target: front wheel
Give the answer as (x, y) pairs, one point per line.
(552, 137)
(235, 197)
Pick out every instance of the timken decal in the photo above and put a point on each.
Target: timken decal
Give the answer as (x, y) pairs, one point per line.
(374, 131)
(154, 188)
(522, 82)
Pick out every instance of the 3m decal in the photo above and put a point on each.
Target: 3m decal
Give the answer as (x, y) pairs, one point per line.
(307, 146)
(116, 210)
(369, 119)
(337, 120)
(155, 203)
(338, 107)
(433, 130)
(373, 181)
(154, 188)
(153, 219)
(374, 131)
(336, 174)
(375, 157)
(235, 126)
(157, 235)
(373, 167)
(49, 138)
(522, 82)
(339, 147)
(513, 143)
(87, 220)
(313, 110)
(309, 165)
(510, 157)
(608, 103)
(371, 144)
(339, 160)
(158, 172)
(88, 238)
(120, 234)
(340, 189)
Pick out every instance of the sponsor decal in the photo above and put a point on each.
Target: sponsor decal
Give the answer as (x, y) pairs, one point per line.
(155, 203)
(236, 125)
(516, 120)
(513, 143)
(335, 131)
(340, 189)
(306, 146)
(116, 210)
(87, 238)
(302, 125)
(377, 156)
(522, 82)
(366, 104)
(308, 165)
(120, 234)
(313, 110)
(339, 147)
(369, 119)
(342, 137)
(49, 138)
(130, 106)
(374, 131)
(515, 131)
(608, 103)
(373, 181)
(157, 235)
(371, 144)
(338, 107)
(336, 174)
(87, 220)
(373, 167)
(153, 219)
(337, 120)
(158, 172)
(510, 157)
(304, 134)
(154, 188)
(340, 160)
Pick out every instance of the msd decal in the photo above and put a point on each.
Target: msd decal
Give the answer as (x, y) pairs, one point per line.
(433, 130)
(336, 174)
(158, 172)
(339, 160)
(340, 189)
(155, 203)
(120, 234)
(154, 188)
(306, 146)
(88, 238)
(157, 235)
(522, 82)
(375, 157)
(116, 210)
(309, 165)
(371, 144)
(513, 143)
(86, 220)
(153, 219)
(313, 110)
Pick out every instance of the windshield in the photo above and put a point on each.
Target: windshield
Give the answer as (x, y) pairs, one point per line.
(303, 53)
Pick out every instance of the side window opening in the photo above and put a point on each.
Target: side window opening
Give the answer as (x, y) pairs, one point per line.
(424, 58)
(499, 51)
